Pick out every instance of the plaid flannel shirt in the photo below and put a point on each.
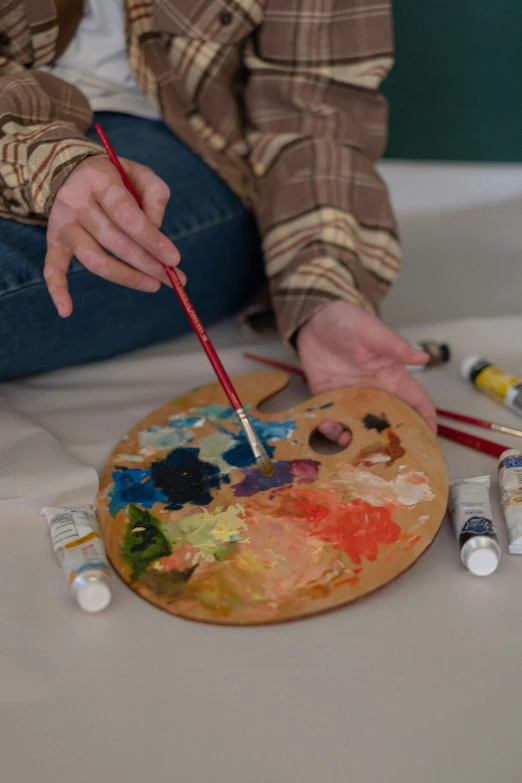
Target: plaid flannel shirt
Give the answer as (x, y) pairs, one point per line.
(280, 98)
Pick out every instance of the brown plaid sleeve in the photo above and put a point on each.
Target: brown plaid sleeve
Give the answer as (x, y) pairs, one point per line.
(317, 124)
(42, 121)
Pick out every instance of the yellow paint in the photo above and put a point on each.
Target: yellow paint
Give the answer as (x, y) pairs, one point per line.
(247, 560)
(73, 574)
(229, 525)
(495, 383)
(80, 541)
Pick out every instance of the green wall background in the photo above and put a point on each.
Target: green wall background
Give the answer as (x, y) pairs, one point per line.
(455, 90)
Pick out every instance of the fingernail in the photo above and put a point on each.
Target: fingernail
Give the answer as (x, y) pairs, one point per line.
(151, 286)
(60, 306)
(172, 259)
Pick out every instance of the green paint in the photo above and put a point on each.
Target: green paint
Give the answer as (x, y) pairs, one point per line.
(213, 535)
(130, 457)
(144, 541)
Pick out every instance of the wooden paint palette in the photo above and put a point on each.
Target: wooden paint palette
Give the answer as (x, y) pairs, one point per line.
(192, 526)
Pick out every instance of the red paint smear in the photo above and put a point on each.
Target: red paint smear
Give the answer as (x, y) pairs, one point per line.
(412, 542)
(352, 581)
(357, 528)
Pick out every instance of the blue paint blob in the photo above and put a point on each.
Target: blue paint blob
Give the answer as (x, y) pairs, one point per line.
(326, 405)
(240, 455)
(274, 430)
(133, 486)
(184, 478)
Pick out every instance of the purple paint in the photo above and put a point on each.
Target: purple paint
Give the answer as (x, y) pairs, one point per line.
(302, 471)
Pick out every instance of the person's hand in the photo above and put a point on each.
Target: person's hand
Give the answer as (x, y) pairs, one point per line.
(342, 345)
(92, 213)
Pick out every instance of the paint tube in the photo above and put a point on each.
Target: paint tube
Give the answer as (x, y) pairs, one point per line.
(493, 382)
(77, 543)
(439, 353)
(510, 480)
(470, 512)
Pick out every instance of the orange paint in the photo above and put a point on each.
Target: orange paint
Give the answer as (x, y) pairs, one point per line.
(356, 528)
(360, 530)
(390, 451)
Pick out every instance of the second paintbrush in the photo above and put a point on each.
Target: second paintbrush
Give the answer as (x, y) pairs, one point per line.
(262, 459)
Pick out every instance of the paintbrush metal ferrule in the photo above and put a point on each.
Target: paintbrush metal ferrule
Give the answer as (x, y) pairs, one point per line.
(254, 441)
(263, 461)
(484, 423)
(507, 430)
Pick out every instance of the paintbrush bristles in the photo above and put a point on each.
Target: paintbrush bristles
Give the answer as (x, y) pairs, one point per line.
(265, 465)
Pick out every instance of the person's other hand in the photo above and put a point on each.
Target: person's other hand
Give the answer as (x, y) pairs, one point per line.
(92, 213)
(342, 345)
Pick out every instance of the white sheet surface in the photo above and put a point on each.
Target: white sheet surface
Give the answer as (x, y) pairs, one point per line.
(420, 682)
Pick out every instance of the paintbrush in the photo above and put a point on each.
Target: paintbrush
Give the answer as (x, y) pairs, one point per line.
(471, 441)
(487, 425)
(272, 363)
(263, 461)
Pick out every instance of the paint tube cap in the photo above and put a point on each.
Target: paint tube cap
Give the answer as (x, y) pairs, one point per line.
(481, 555)
(445, 353)
(509, 453)
(93, 594)
(467, 364)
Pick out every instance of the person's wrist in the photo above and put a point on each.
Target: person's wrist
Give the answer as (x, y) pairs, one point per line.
(322, 315)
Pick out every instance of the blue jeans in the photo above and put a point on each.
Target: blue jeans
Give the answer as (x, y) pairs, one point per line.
(220, 252)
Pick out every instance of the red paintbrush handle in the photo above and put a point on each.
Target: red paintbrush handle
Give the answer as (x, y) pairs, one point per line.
(472, 441)
(272, 363)
(193, 317)
(465, 419)
(204, 339)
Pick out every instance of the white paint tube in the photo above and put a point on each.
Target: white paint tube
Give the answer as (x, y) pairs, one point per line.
(510, 480)
(78, 546)
(470, 511)
(439, 353)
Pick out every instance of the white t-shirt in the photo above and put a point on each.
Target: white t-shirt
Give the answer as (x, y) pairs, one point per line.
(96, 62)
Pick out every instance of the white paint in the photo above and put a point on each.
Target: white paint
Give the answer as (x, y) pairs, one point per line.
(374, 459)
(406, 489)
